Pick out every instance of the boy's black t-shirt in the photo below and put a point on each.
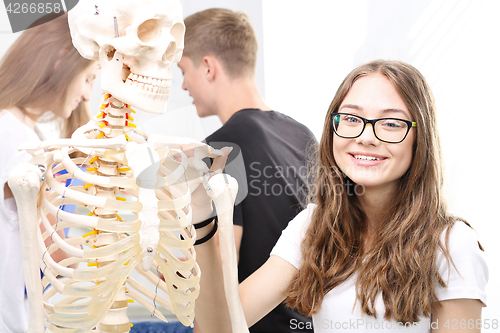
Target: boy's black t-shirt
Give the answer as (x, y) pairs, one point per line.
(269, 161)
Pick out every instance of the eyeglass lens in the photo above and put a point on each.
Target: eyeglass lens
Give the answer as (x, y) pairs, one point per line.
(388, 129)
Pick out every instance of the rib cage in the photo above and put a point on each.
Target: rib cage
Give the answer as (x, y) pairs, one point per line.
(111, 247)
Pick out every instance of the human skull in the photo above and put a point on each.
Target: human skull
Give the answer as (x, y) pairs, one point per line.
(136, 65)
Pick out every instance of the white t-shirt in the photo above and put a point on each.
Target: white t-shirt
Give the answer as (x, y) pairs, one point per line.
(339, 313)
(13, 310)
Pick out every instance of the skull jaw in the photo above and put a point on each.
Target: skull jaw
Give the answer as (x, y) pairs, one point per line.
(144, 100)
(112, 83)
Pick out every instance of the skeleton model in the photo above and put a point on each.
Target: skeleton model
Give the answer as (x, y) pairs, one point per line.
(136, 188)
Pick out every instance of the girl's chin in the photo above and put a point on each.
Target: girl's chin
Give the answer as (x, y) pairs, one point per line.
(364, 185)
(366, 178)
(65, 114)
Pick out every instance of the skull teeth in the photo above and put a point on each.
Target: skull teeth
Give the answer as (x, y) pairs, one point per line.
(154, 85)
(149, 80)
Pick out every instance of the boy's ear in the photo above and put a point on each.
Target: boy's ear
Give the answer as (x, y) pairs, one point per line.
(211, 66)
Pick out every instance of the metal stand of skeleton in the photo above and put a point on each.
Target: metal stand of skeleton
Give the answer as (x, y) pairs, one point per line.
(136, 188)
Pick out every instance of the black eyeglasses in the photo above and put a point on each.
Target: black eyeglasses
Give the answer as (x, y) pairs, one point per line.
(390, 130)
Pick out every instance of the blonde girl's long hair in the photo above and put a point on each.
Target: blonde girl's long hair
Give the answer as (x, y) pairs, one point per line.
(401, 263)
(40, 66)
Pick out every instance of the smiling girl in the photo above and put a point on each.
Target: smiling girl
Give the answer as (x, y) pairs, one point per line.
(387, 258)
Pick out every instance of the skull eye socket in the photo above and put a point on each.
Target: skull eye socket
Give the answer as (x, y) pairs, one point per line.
(177, 32)
(148, 31)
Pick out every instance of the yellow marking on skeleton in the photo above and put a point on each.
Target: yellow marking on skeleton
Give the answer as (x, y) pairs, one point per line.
(100, 135)
(130, 118)
(93, 232)
(93, 264)
(100, 115)
(128, 138)
(119, 218)
(123, 169)
(102, 125)
(93, 159)
(91, 169)
(121, 199)
(91, 214)
(132, 125)
(87, 186)
(130, 300)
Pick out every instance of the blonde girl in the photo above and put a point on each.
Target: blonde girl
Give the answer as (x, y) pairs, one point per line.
(41, 71)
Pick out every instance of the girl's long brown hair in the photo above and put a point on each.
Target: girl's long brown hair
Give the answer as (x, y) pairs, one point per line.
(401, 263)
(39, 67)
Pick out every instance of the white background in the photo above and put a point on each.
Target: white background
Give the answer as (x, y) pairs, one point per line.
(307, 48)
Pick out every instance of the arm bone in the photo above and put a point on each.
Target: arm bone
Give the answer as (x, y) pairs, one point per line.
(24, 182)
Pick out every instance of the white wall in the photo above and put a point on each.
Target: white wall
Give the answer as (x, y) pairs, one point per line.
(454, 43)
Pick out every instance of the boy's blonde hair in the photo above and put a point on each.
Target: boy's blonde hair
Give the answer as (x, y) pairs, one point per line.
(225, 34)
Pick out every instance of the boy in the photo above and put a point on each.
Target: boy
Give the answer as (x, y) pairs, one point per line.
(219, 72)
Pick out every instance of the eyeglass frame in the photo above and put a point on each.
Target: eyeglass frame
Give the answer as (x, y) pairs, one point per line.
(410, 124)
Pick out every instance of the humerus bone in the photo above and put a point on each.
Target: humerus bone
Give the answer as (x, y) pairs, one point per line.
(222, 189)
(25, 185)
